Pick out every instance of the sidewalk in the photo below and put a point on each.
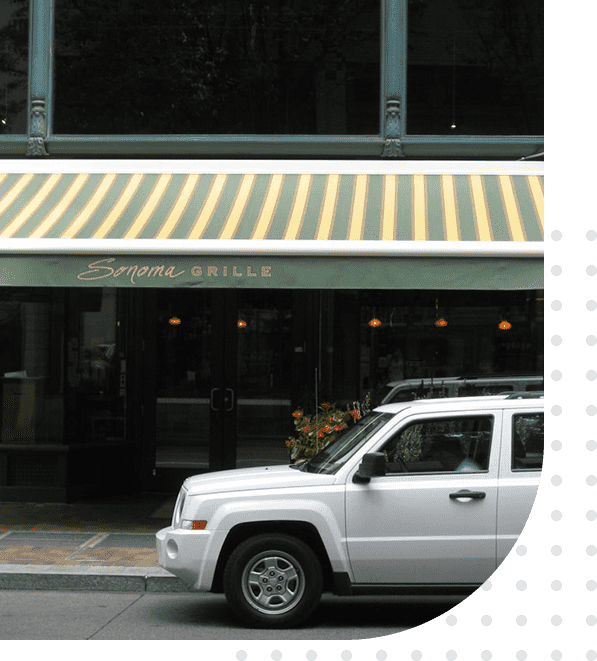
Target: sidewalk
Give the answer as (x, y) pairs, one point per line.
(106, 544)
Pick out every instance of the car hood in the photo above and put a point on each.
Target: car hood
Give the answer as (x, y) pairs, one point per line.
(249, 479)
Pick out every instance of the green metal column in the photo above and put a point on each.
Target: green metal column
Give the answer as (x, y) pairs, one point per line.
(40, 65)
(394, 86)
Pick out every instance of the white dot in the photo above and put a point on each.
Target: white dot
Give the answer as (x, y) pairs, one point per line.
(556, 655)
(486, 655)
(521, 655)
(591, 235)
(591, 270)
(556, 480)
(556, 235)
(521, 585)
(241, 656)
(591, 550)
(591, 480)
(451, 655)
(521, 550)
(591, 340)
(556, 410)
(486, 586)
(381, 655)
(556, 550)
(591, 585)
(591, 655)
(276, 655)
(591, 445)
(556, 620)
(556, 340)
(311, 655)
(591, 305)
(591, 515)
(556, 445)
(346, 655)
(591, 375)
(451, 620)
(556, 375)
(556, 515)
(591, 410)
(486, 620)
(591, 620)
(556, 270)
(521, 620)
(556, 305)
(556, 585)
(416, 656)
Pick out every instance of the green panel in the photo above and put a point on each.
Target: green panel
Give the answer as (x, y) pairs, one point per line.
(466, 212)
(273, 272)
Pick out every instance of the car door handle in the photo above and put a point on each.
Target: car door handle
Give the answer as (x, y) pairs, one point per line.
(465, 493)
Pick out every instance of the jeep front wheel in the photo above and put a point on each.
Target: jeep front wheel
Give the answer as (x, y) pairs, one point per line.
(273, 581)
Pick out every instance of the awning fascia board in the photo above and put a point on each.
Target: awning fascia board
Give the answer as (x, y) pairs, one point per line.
(272, 247)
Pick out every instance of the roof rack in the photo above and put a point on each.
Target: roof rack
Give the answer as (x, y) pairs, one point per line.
(533, 394)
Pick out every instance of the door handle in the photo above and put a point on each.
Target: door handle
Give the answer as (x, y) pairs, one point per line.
(228, 399)
(465, 493)
(212, 402)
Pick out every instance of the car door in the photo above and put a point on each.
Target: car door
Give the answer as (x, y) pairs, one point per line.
(415, 524)
(520, 472)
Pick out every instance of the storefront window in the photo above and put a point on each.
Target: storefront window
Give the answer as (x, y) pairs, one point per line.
(217, 67)
(14, 38)
(95, 367)
(31, 396)
(475, 68)
(430, 336)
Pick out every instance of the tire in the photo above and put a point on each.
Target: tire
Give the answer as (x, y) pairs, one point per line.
(273, 581)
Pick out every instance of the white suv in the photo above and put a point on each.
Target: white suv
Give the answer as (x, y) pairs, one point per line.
(423, 497)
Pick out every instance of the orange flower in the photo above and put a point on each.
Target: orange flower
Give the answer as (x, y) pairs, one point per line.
(305, 428)
(320, 434)
(297, 414)
(327, 429)
(355, 414)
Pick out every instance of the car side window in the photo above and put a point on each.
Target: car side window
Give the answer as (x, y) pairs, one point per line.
(455, 444)
(527, 441)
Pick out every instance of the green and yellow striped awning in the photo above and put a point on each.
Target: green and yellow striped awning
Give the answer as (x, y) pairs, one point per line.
(296, 217)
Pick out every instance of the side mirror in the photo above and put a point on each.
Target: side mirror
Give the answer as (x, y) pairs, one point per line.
(372, 465)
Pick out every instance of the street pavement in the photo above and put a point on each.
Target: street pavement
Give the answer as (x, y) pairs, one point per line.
(82, 615)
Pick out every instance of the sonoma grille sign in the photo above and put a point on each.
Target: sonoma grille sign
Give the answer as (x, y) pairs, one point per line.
(103, 269)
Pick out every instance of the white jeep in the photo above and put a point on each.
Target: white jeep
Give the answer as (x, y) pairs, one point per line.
(423, 497)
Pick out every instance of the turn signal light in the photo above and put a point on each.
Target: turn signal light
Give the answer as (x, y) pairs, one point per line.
(193, 525)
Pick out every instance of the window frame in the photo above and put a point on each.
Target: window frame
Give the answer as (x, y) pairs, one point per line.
(392, 141)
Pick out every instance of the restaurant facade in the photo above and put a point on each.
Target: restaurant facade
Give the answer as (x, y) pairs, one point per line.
(168, 299)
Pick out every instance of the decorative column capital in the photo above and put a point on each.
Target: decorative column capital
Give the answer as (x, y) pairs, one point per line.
(393, 119)
(38, 132)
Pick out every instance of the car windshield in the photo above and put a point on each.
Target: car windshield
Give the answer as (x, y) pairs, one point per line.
(333, 456)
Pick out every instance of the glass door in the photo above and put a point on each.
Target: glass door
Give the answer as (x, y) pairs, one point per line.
(184, 380)
(265, 377)
(224, 373)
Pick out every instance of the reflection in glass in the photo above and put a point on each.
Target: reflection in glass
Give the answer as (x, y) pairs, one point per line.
(31, 396)
(14, 41)
(217, 66)
(475, 67)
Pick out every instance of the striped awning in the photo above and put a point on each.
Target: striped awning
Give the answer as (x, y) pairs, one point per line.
(439, 214)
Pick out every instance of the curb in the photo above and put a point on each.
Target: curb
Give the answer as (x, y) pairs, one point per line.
(101, 579)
